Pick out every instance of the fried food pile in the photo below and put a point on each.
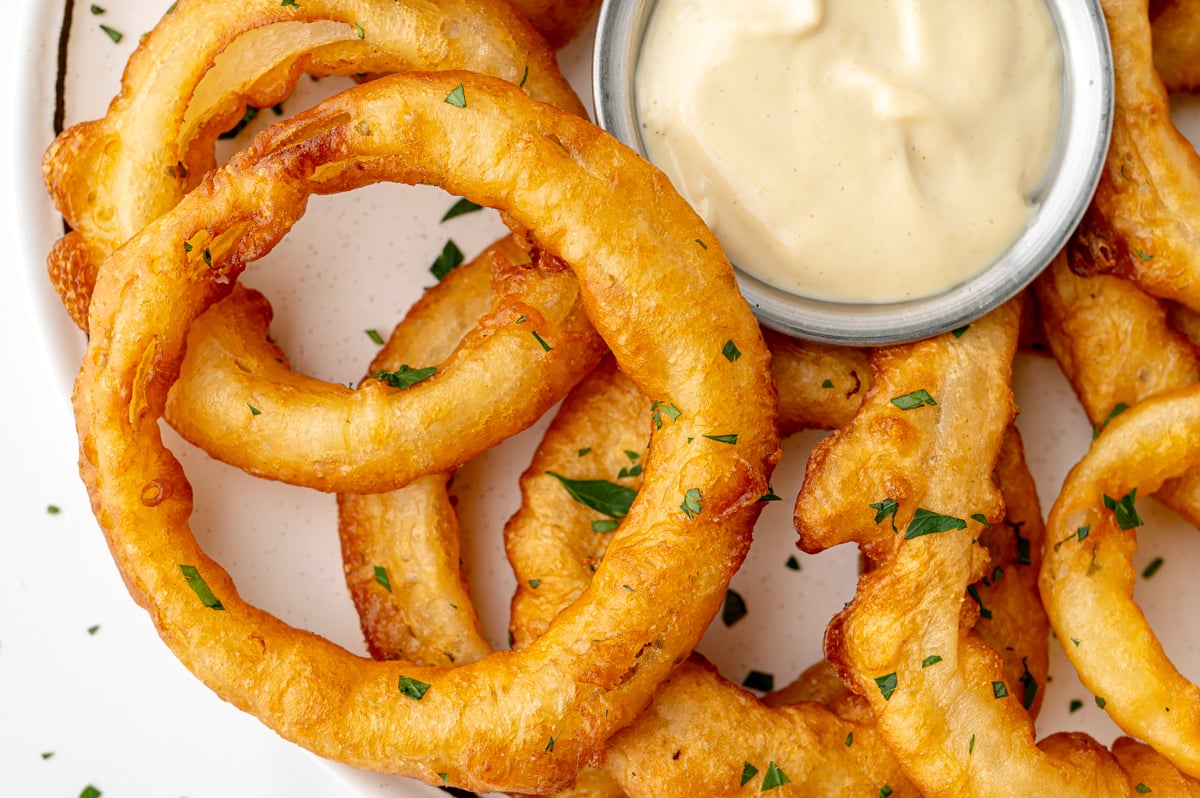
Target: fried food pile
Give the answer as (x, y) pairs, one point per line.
(612, 297)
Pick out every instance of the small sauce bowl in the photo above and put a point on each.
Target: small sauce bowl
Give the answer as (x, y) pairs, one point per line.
(1080, 149)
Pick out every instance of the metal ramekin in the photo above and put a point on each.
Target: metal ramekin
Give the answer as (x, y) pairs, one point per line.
(1074, 171)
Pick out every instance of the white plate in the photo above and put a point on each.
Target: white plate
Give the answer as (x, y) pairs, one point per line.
(355, 262)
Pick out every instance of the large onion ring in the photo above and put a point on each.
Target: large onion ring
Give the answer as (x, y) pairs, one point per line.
(1142, 221)
(191, 77)
(524, 720)
(1088, 575)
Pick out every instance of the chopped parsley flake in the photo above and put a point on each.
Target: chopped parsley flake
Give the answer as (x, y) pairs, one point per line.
(584, 451)
(93, 629)
(254, 411)
(53, 509)
(362, 34)
(748, 772)
(932, 659)
(200, 587)
(911, 401)
(207, 255)
(792, 563)
(375, 336)
(1124, 509)
(113, 34)
(999, 689)
(542, 341)
(1142, 789)
(958, 331)
(458, 98)
(774, 777)
(731, 439)
(850, 739)
(759, 680)
(450, 259)
(524, 78)
(691, 503)
(89, 792)
(629, 472)
(971, 745)
(381, 576)
(1076, 641)
(769, 496)
(1075, 705)
(734, 608)
(607, 498)
(602, 527)
(1152, 568)
(1118, 409)
(1029, 685)
(730, 351)
(411, 688)
(981, 518)
(887, 685)
(702, 244)
(1100, 702)
(1142, 255)
(404, 377)
(533, 583)
(461, 208)
(827, 384)
(95, 9)
(926, 522)
(885, 791)
(47, 754)
(885, 509)
(984, 612)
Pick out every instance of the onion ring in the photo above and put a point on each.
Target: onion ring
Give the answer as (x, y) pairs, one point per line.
(1117, 346)
(522, 721)
(191, 77)
(330, 437)
(953, 724)
(1140, 222)
(700, 730)
(1087, 580)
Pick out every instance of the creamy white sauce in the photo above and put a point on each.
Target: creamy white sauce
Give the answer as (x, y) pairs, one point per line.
(854, 150)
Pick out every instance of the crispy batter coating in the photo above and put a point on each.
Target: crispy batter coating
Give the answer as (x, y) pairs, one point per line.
(956, 724)
(524, 721)
(1118, 346)
(1142, 221)
(558, 20)
(192, 76)
(1088, 577)
(376, 438)
(1175, 27)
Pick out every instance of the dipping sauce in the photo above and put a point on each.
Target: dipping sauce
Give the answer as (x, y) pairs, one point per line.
(854, 150)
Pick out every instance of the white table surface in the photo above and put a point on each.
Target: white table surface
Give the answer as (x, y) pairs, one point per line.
(113, 709)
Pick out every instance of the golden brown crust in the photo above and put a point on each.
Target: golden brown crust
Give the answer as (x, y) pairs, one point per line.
(1141, 223)
(1088, 578)
(110, 177)
(486, 725)
(1175, 26)
(376, 438)
(1117, 346)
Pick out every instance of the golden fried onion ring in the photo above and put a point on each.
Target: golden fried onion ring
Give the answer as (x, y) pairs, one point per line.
(1142, 220)
(526, 720)
(1088, 577)
(191, 77)
(1117, 346)
(954, 724)
(700, 730)
(376, 438)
